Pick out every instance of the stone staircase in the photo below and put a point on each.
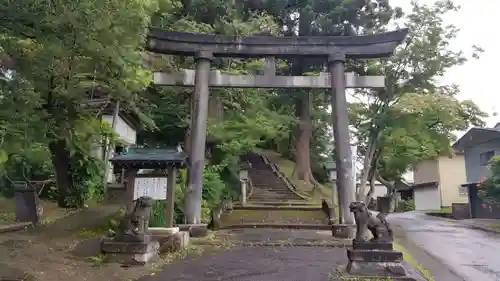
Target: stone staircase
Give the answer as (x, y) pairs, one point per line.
(267, 184)
(273, 203)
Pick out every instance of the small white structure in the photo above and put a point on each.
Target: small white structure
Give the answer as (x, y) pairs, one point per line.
(380, 190)
(126, 127)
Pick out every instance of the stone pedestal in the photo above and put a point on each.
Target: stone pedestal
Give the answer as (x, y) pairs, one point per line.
(131, 252)
(174, 242)
(344, 231)
(195, 230)
(375, 259)
(162, 231)
(356, 245)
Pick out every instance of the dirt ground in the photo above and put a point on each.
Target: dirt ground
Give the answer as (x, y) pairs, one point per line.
(69, 249)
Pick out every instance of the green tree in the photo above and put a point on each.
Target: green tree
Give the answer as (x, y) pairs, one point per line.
(63, 52)
(239, 119)
(311, 17)
(413, 118)
(490, 187)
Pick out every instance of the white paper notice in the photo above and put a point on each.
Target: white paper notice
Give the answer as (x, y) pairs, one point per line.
(155, 188)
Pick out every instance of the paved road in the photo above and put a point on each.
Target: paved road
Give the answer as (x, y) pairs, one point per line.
(471, 254)
(263, 263)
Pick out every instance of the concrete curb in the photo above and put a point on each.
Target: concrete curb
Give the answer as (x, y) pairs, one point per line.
(482, 228)
(469, 225)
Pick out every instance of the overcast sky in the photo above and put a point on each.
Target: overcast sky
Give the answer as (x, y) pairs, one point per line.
(475, 78)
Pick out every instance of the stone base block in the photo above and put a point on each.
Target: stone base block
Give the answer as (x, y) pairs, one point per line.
(195, 230)
(374, 256)
(345, 231)
(134, 238)
(383, 269)
(174, 242)
(368, 245)
(130, 252)
(162, 231)
(356, 271)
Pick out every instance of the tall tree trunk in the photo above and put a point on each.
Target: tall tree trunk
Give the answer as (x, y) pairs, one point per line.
(367, 167)
(391, 190)
(369, 195)
(302, 170)
(61, 162)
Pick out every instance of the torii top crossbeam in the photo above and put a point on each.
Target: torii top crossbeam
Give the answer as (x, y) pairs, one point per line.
(354, 47)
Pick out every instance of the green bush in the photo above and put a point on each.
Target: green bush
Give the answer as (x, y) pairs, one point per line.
(489, 190)
(214, 190)
(32, 163)
(158, 218)
(406, 205)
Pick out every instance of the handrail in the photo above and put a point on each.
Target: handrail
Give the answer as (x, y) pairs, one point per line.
(329, 211)
(282, 176)
(250, 188)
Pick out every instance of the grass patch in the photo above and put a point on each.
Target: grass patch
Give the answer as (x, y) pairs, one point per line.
(7, 218)
(197, 247)
(444, 212)
(494, 226)
(411, 261)
(51, 212)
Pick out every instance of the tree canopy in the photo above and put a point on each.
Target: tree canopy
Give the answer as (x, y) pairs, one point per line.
(56, 55)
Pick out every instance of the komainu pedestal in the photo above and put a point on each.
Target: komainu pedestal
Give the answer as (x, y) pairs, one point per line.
(376, 257)
(131, 252)
(132, 243)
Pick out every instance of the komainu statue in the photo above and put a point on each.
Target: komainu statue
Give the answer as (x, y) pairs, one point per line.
(378, 225)
(135, 223)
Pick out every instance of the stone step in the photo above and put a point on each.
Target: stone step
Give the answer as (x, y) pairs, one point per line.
(299, 203)
(271, 196)
(273, 191)
(279, 226)
(266, 181)
(281, 192)
(267, 191)
(270, 187)
(281, 199)
(273, 216)
(289, 195)
(271, 207)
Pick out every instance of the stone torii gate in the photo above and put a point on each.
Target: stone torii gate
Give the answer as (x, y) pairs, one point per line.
(333, 49)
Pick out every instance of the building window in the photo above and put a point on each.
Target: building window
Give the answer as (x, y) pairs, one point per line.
(485, 157)
(462, 191)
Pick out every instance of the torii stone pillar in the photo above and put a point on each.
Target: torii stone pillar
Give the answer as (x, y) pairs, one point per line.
(340, 120)
(193, 193)
(335, 48)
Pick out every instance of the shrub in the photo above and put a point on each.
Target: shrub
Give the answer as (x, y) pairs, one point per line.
(489, 189)
(406, 205)
(158, 218)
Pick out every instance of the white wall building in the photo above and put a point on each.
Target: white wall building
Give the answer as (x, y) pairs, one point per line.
(127, 125)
